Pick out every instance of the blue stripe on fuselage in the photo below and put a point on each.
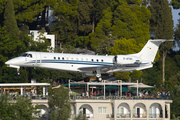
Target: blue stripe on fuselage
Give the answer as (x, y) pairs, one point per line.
(73, 62)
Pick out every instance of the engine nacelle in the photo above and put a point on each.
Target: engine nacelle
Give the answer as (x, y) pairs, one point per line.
(126, 59)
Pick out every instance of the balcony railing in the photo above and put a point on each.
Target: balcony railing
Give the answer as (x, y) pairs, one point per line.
(135, 115)
(123, 115)
(107, 97)
(155, 115)
(118, 97)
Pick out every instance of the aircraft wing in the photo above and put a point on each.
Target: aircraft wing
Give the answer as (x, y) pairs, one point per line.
(107, 68)
(101, 68)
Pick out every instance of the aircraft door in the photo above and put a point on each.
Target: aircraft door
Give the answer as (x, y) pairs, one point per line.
(115, 59)
(38, 58)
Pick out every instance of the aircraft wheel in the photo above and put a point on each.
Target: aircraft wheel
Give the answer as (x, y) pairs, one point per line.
(18, 73)
(99, 79)
(86, 79)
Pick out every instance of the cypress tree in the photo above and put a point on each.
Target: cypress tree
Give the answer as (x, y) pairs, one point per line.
(10, 21)
(161, 24)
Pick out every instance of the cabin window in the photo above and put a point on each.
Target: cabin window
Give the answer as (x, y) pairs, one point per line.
(101, 60)
(58, 58)
(97, 60)
(92, 60)
(63, 58)
(54, 57)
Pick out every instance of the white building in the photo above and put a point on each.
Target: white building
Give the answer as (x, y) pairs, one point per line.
(122, 109)
(35, 37)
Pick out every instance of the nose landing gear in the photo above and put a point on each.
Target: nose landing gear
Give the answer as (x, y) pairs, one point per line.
(18, 72)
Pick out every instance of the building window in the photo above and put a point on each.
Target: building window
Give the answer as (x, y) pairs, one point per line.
(102, 110)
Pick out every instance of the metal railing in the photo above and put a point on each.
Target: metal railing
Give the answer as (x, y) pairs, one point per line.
(135, 115)
(40, 97)
(73, 97)
(123, 115)
(118, 97)
(155, 115)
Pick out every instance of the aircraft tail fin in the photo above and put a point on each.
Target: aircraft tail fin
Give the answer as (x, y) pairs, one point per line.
(150, 49)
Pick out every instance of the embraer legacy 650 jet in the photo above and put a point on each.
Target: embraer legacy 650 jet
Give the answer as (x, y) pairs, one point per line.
(93, 65)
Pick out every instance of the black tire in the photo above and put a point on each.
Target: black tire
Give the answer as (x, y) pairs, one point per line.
(86, 79)
(98, 79)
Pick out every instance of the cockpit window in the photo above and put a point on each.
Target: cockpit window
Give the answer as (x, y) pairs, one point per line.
(30, 55)
(26, 55)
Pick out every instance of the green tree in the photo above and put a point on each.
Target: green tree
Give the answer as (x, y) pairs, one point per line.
(96, 10)
(63, 28)
(131, 21)
(59, 104)
(175, 107)
(102, 30)
(81, 117)
(10, 21)
(124, 19)
(19, 109)
(175, 4)
(124, 46)
(161, 24)
(26, 10)
(105, 45)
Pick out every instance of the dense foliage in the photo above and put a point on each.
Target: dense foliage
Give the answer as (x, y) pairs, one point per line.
(105, 26)
(16, 110)
(59, 104)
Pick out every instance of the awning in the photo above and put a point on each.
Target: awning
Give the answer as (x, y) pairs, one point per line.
(141, 86)
(124, 89)
(109, 87)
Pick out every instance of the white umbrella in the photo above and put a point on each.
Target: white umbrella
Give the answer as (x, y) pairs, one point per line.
(141, 86)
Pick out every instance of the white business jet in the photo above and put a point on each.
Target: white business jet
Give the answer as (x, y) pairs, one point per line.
(93, 65)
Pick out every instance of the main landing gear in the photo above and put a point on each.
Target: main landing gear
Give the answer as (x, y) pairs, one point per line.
(99, 79)
(86, 79)
(98, 76)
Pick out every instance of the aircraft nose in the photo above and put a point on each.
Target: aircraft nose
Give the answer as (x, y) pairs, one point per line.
(11, 61)
(8, 62)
